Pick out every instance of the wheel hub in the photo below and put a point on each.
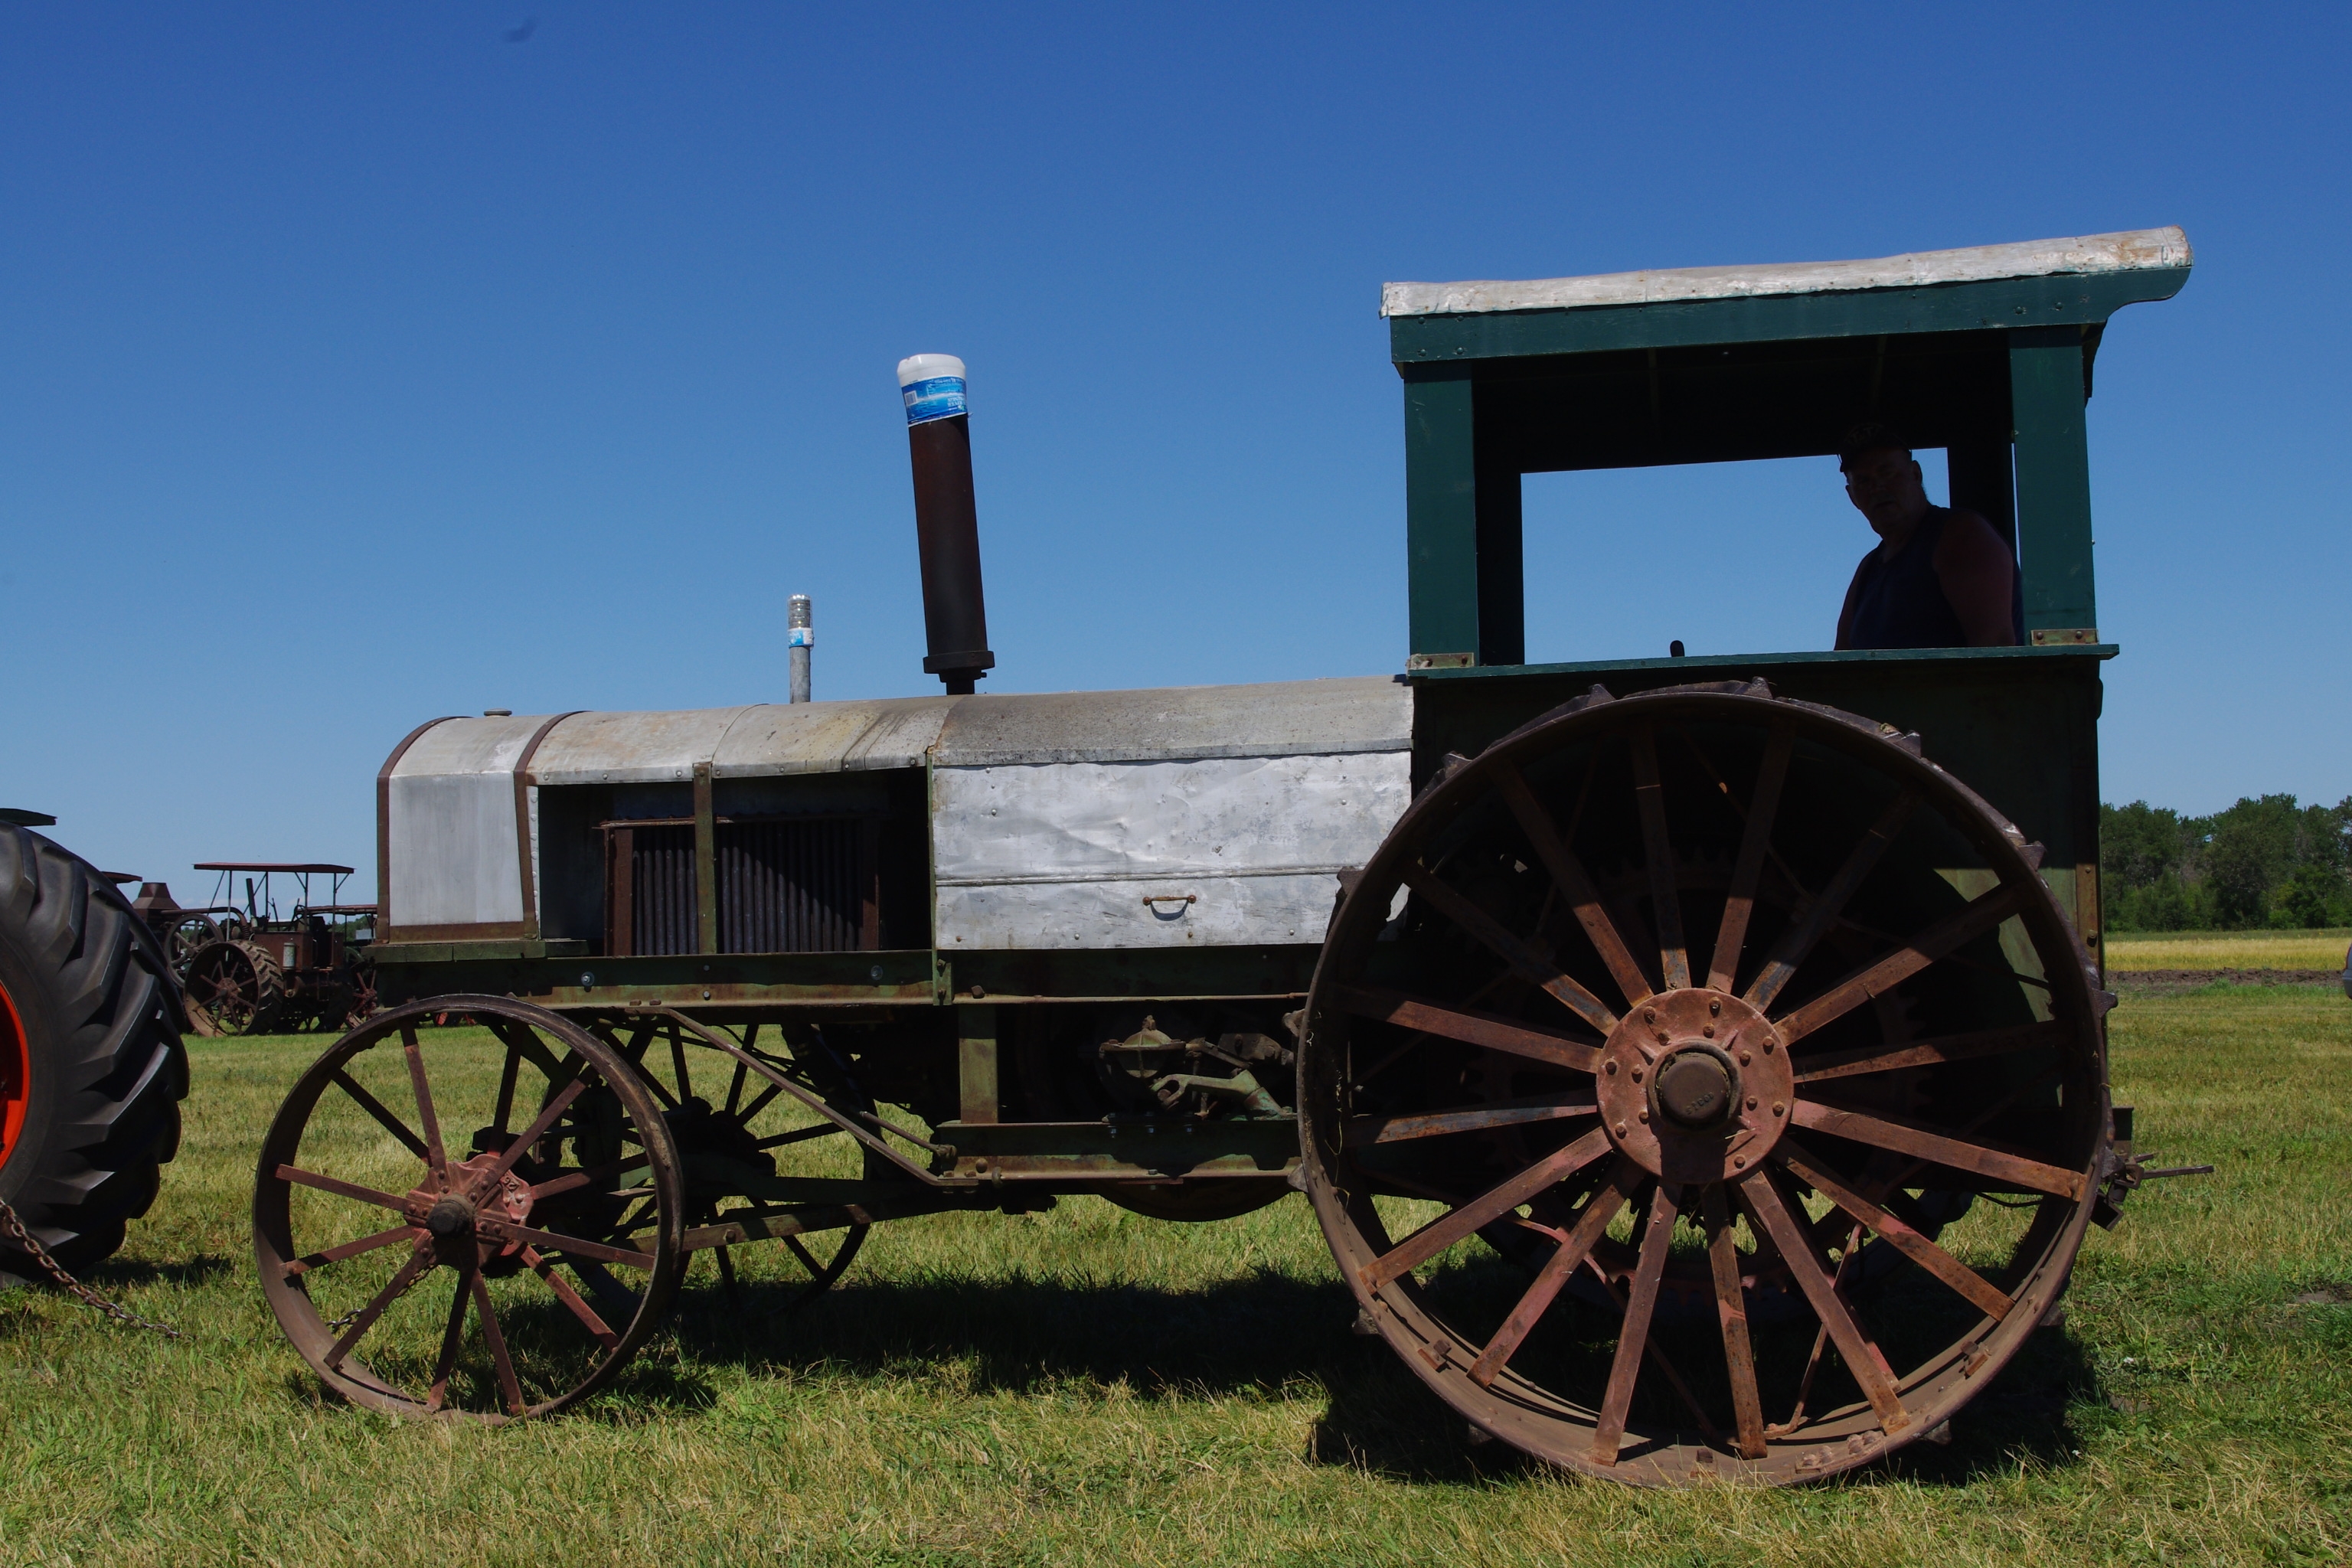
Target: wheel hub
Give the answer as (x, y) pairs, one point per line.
(453, 1221)
(1694, 1087)
(450, 1218)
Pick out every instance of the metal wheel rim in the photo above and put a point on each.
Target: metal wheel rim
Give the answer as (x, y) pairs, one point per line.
(16, 1075)
(1559, 1428)
(283, 1268)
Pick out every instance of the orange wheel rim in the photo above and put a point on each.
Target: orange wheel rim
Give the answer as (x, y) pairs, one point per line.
(16, 1068)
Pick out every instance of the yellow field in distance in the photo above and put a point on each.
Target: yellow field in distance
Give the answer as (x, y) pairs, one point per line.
(2129, 951)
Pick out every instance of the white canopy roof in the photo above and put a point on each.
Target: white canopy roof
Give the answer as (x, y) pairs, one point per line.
(2138, 251)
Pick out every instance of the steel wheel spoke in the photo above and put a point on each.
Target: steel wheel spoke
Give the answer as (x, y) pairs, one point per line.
(801, 1136)
(1366, 1130)
(539, 1264)
(794, 1245)
(408, 1274)
(1820, 1341)
(510, 1386)
(758, 1102)
(452, 1338)
(1591, 1223)
(376, 1108)
(1529, 964)
(1903, 1138)
(570, 1246)
(1487, 1029)
(508, 1071)
(436, 1156)
(1768, 1215)
(310, 1261)
(735, 1085)
(1748, 871)
(1634, 1332)
(1963, 924)
(1976, 1124)
(571, 1179)
(1932, 1053)
(1448, 1228)
(1798, 944)
(1731, 1310)
(488, 1180)
(517, 1036)
(617, 1298)
(1981, 1292)
(1665, 891)
(1657, 1358)
(1568, 874)
(343, 1189)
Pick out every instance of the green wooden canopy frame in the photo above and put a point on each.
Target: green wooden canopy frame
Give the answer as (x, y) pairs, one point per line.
(1985, 353)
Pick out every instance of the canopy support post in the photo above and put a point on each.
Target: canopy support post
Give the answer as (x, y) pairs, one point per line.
(2053, 484)
(1465, 575)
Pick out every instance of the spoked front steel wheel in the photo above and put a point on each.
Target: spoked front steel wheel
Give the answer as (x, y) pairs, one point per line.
(1703, 1085)
(485, 1220)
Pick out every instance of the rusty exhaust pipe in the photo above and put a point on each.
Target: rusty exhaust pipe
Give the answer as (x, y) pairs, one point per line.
(947, 522)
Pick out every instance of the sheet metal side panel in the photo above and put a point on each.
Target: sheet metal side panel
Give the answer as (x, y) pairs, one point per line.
(2135, 250)
(1208, 851)
(451, 842)
(1298, 718)
(452, 848)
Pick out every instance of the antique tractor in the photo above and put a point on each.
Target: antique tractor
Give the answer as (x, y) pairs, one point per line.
(91, 1066)
(257, 973)
(1694, 1076)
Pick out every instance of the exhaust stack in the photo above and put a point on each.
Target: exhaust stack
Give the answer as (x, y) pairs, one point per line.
(947, 522)
(800, 636)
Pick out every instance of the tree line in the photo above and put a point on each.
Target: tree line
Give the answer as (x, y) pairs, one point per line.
(2263, 862)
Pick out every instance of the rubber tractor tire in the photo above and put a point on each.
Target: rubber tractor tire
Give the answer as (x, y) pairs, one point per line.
(91, 1066)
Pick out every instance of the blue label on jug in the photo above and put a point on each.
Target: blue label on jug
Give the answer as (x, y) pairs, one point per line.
(938, 397)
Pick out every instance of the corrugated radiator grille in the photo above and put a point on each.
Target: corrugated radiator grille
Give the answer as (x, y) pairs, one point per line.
(649, 890)
(784, 885)
(793, 886)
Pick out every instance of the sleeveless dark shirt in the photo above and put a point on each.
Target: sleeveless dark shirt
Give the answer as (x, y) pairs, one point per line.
(1901, 603)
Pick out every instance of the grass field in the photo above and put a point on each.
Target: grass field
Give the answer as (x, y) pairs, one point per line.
(2141, 951)
(1087, 1386)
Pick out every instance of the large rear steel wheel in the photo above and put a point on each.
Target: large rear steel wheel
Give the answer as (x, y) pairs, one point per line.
(1725, 1099)
(238, 989)
(466, 1224)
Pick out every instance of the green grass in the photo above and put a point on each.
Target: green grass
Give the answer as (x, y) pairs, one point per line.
(2131, 950)
(1088, 1386)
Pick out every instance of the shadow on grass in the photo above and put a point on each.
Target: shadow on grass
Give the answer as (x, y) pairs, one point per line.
(123, 1274)
(2022, 1419)
(1261, 1332)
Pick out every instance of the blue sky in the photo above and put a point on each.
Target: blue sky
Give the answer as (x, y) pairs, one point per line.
(361, 365)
